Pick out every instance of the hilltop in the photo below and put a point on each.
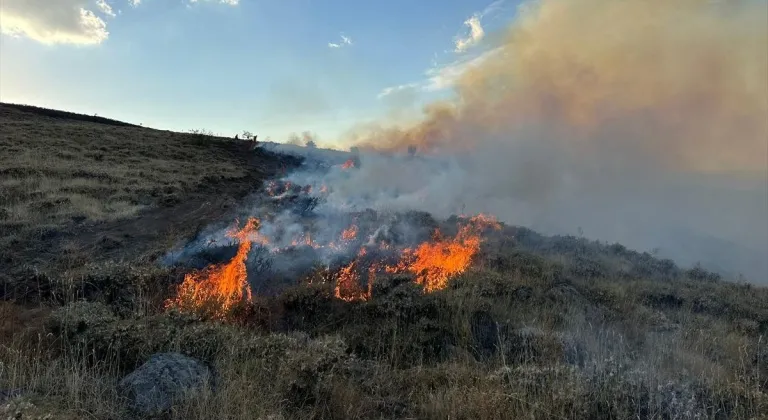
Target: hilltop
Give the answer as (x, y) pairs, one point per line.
(535, 327)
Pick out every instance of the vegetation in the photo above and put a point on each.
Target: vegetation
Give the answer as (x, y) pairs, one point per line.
(75, 193)
(541, 327)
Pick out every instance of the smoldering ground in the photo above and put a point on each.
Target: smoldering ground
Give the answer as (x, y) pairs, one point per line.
(641, 122)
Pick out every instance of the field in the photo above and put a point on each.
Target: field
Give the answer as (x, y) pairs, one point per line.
(538, 327)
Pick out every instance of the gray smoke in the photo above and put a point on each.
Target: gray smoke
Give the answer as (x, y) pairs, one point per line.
(716, 220)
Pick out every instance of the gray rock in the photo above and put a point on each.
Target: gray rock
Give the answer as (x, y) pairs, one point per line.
(164, 379)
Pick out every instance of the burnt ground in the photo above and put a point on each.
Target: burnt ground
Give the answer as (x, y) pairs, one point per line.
(78, 193)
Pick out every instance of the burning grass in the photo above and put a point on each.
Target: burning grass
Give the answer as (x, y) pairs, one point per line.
(218, 288)
(432, 263)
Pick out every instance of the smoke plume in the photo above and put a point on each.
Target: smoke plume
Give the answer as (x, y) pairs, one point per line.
(638, 121)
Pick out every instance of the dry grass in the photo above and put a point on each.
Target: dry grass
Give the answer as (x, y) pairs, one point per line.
(76, 189)
(559, 352)
(55, 171)
(541, 328)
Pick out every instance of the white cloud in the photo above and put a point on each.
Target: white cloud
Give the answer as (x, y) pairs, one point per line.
(475, 35)
(392, 90)
(444, 76)
(475, 32)
(105, 7)
(53, 22)
(345, 40)
(134, 3)
(441, 77)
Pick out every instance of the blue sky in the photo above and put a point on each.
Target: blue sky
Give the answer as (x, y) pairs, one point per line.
(269, 66)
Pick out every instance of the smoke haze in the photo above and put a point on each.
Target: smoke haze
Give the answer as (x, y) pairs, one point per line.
(641, 121)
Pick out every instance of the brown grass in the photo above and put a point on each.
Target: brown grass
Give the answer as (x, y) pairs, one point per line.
(75, 189)
(540, 328)
(55, 170)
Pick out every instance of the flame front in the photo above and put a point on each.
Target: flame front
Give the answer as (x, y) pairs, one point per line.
(433, 263)
(216, 289)
(219, 287)
(436, 262)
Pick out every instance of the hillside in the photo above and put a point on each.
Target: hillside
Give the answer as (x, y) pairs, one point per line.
(79, 189)
(121, 242)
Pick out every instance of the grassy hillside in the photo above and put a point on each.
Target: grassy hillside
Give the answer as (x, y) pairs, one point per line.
(540, 327)
(78, 190)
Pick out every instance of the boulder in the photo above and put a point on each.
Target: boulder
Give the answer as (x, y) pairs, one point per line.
(165, 378)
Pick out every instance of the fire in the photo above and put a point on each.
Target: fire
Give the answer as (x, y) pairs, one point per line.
(222, 285)
(278, 189)
(304, 239)
(349, 164)
(349, 233)
(218, 288)
(348, 280)
(433, 263)
(436, 262)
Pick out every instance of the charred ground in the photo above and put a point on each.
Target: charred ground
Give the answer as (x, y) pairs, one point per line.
(538, 327)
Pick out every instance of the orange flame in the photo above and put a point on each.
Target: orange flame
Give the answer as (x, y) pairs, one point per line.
(219, 287)
(348, 281)
(349, 233)
(350, 163)
(436, 262)
(433, 263)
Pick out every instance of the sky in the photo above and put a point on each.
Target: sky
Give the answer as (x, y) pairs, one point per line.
(272, 67)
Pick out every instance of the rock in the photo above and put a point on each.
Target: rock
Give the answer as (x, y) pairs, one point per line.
(165, 378)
